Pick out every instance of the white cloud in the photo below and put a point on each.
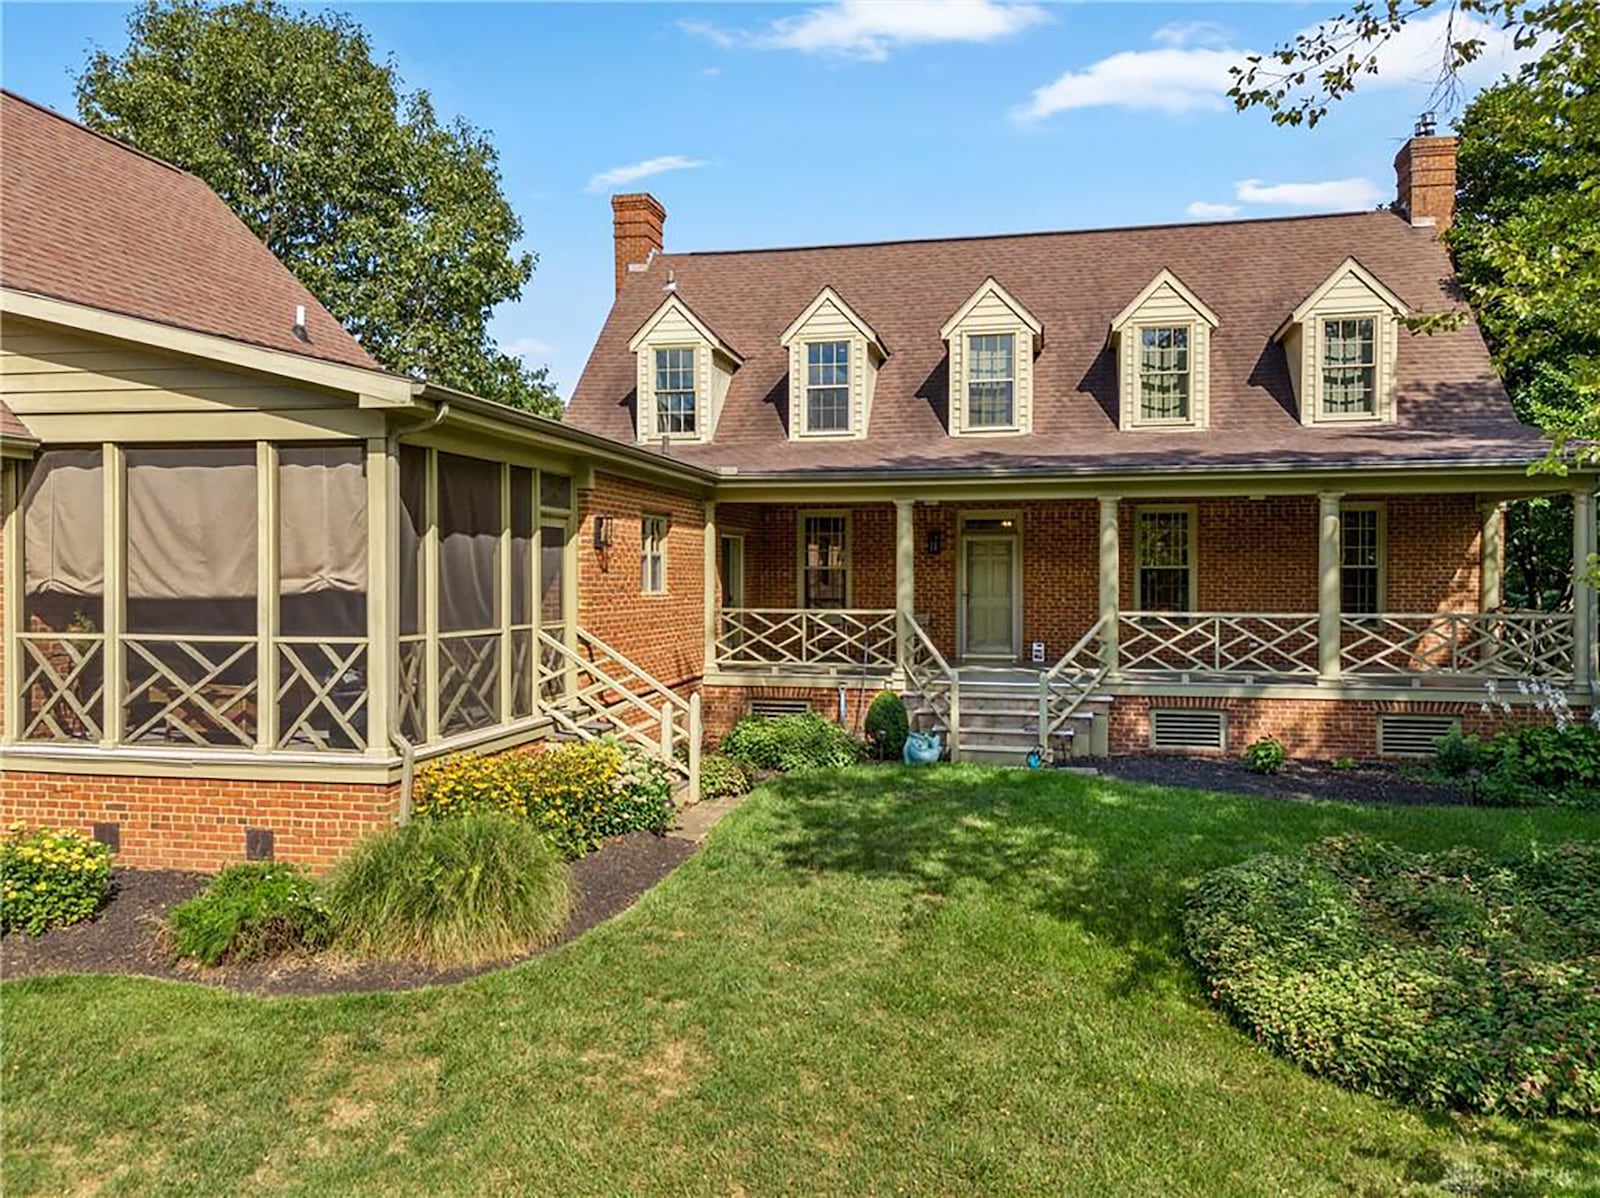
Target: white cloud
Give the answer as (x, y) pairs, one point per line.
(1332, 195)
(528, 347)
(621, 176)
(870, 29)
(1189, 70)
(1206, 210)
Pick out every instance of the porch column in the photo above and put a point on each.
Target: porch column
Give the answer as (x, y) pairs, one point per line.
(383, 592)
(1583, 595)
(1491, 555)
(1110, 582)
(905, 580)
(1329, 543)
(713, 600)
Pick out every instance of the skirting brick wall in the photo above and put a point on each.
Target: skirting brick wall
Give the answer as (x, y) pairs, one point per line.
(725, 706)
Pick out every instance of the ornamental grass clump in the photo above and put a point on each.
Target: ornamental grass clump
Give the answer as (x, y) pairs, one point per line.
(50, 878)
(450, 892)
(1446, 980)
(250, 912)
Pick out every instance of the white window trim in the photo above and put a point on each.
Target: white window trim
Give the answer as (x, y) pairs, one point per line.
(1192, 512)
(801, 516)
(1137, 418)
(1319, 320)
(967, 336)
(853, 345)
(645, 520)
(696, 348)
(1383, 554)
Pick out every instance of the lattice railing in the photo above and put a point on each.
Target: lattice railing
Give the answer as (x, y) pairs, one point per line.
(749, 636)
(1248, 644)
(469, 681)
(322, 694)
(198, 690)
(1522, 644)
(936, 685)
(412, 681)
(1072, 681)
(62, 686)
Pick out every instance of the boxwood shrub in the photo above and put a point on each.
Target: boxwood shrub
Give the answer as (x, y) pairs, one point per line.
(721, 776)
(1447, 980)
(887, 725)
(249, 913)
(790, 743)
(50, 878)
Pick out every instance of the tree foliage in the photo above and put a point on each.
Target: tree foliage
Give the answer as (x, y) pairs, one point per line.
(394, 220)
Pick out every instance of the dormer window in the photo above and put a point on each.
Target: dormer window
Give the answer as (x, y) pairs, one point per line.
(1340, 346)
(833, 369)
(827, 386)
(1164, 378)
(675, 391)
(1162, 345)
(684, 370)
(992, 340)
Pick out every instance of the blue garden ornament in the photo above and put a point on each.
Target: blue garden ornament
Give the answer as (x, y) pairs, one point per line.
(1035, 759)
(922, 748)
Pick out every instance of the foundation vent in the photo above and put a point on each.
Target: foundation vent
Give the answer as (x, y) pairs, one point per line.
(767, 708)
(1412, 735)
(1188, 728)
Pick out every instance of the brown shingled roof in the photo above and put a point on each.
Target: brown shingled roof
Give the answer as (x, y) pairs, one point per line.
(12, 429)
(1450, 403)
(86, 219)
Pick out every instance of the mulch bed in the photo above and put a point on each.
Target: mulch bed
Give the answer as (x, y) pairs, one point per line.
(123, 937)
(1366, 783)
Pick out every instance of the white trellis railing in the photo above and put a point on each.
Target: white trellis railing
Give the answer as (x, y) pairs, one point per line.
(62, 685)
(930, 678)
(1066, 686)
(322, 693)
(1236, 644)
(769, 637)
(196, 690)
(1495, 644)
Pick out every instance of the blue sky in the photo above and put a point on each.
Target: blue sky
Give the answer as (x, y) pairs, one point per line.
(845, 120)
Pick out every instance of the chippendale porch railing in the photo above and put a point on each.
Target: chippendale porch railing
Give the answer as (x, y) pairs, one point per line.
(776, 637)
(1237, 644)
(1496, 644)
(936, 685)
(1070, 683)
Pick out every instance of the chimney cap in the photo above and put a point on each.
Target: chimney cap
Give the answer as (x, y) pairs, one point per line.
(1427, 124)
(629, 200)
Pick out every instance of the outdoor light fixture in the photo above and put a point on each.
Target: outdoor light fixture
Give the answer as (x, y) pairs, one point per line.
(602, 532)
(935, 543)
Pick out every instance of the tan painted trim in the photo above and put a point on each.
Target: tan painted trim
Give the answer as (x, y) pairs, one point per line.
(376, 386)
(308, 424)
(1330, 542)
(674, 303)
(1349, 267)
(963, 538)
(11, 579)
(988, 287)
(383, 593)
(825, 296)
(267, 583)
(1164, 277)
(114, 616)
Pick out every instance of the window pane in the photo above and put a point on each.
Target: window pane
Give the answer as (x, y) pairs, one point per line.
(552, 570)
(469, 543)
(413, 525)
(1163, 557)
(1360, 562)
(555, 491)
(824, 566)
(1164, 373)
(63, 542)
(991, 380)
(652, 554)
(322, 540)
(521, 545)
(827, 386)
(675, 391)
(1349, 366)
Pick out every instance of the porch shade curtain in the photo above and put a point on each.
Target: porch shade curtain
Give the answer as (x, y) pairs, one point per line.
(63, 540)
(469, 543)
(322, 540)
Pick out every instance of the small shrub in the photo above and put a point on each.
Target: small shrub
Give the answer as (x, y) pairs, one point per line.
(250, 913)
(50, 878)
(1456, 754)
(887, 725)
(1346, 763)
(1541, 764)
(1266, 755)
(1446, 980)
(462, 891)
(791, 743)
(721, 776)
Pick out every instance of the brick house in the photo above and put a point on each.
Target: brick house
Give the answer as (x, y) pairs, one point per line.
(1068, 492)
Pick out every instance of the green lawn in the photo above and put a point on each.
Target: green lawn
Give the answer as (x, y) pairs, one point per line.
(889, 981)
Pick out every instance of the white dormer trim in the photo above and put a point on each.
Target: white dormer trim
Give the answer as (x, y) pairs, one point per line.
(674, 325)
(1165, 302)
(990, 311)
(828, 319)
(1351, 292)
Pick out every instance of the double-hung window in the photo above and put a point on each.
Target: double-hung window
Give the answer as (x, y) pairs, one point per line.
(676, 402)
(1164, 381)
(991, 380)
(828, 387)
(824, 561)
(1361, 561)
(653, 555)
(1165, 555)
(1349, 367)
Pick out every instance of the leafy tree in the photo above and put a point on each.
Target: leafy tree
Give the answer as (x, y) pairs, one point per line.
(395, 221)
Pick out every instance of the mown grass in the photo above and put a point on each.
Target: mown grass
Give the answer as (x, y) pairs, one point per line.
(869, 981)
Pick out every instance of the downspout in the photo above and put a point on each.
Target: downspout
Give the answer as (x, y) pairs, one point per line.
(408, 751)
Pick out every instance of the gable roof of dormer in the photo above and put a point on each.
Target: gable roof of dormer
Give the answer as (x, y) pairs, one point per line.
(675, 303)
(991, 287)
(1165, 278)
(1345, 269)
(829, 296)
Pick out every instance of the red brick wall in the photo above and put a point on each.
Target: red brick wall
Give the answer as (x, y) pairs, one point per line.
(663, 634)
(199, 823)
(725, 706)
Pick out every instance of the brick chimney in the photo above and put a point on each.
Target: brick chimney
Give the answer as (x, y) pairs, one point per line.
(1425, 177)
(637, 221)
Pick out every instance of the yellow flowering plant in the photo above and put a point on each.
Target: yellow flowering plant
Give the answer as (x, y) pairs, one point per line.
(50, 877)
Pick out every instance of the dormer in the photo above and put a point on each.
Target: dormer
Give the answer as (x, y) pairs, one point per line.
(1162, 345)
(833, 368)
(992, 340)
(1341, 344)
(683, 371)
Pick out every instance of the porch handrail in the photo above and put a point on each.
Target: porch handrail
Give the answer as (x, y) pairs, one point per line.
(1067, 685)
(935, 683)
(777, 636)
(1280, 644)
(1491, 644)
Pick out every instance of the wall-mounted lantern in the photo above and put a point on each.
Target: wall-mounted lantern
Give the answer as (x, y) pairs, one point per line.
(934, 544)
(604, 528)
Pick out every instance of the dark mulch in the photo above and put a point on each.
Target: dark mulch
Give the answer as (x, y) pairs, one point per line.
(1366, 783)
(124, 936)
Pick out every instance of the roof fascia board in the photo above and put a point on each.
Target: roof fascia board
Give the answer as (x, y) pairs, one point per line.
(1165, 276)
(375, 388)
(825, 296)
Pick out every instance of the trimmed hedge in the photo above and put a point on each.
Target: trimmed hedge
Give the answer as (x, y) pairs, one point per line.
(791, 743)
(249, 913)
(50, 878)
(1447, 980)
(575, 794)
(887, 726)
